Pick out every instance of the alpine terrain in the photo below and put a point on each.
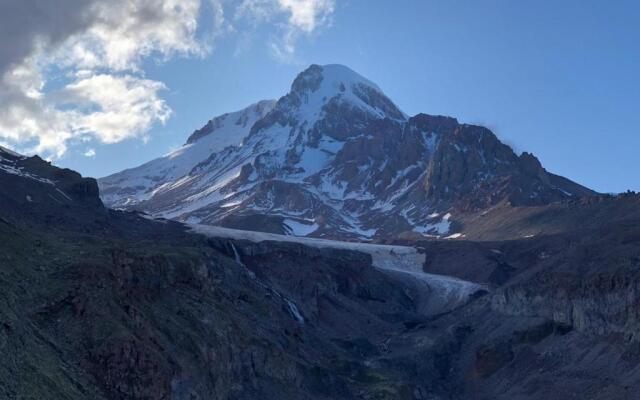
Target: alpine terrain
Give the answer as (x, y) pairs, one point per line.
(99, 303)
(323, 239)
(336, 158)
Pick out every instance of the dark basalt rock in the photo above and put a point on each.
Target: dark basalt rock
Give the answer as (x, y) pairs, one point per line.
(111, 305)
(308, 81)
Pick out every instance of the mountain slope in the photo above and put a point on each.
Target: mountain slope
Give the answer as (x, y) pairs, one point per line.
(335, 157)
(106, 304)
(132, 186)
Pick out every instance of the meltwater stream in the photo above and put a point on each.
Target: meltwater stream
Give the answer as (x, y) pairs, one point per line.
(291, 306)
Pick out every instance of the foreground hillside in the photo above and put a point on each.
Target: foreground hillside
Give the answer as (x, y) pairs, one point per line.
(103, 304)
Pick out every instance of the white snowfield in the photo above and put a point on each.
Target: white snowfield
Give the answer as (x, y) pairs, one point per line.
(441, 293)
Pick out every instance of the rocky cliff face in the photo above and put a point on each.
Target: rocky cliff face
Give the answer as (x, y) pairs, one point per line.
(335, 157)
(587, 280)
(34, 191)
(28, 179)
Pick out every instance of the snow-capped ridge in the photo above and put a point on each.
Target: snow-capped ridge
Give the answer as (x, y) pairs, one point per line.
(10, 152)
(321, 89)
(135, 185)
(332, 76)
(336, 151)
(242, 119)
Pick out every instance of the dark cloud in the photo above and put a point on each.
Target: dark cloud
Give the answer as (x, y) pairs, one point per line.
(27, 24)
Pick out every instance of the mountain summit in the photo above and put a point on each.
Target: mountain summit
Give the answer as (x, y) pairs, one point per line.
(335, 157)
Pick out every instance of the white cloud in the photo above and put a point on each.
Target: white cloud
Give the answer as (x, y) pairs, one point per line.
(100, 45)
(302, 17)
(306, 15)
(119, 107)
(95, 48)
(125, 31)
(109, 108)
(89, 153)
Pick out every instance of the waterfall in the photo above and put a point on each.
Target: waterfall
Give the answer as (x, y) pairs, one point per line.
(236, 255)
(293, 309)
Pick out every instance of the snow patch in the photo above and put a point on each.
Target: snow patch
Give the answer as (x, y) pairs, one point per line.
(442, 227)
(9, 167)
(296, 228)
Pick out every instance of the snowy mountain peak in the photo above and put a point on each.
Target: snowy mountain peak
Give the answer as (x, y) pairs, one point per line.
(335, 157)
(332, 78)
(324, 89)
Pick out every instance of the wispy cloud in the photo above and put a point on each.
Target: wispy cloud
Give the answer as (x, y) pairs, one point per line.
(293, 19)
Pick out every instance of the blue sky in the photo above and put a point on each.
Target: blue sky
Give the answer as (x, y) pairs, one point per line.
(559, 79)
